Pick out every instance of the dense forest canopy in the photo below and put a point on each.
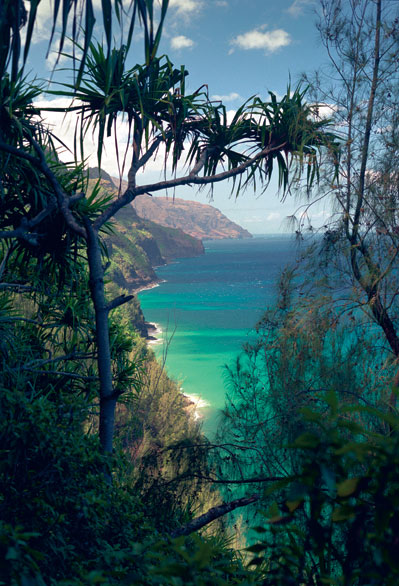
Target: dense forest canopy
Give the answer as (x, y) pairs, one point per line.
(103, 474)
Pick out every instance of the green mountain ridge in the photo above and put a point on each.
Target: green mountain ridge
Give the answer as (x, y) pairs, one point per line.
(136, 246)
(202, 221)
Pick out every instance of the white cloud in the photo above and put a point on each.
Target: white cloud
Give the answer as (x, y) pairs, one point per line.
(181, 42)
(298, 7)
(43, 21)
(64, 128)
(260, 39)
(185, 7)
(222, 3)
(324, 110)
(320, 215)
(227, 97)
(44, 18)
(62, 59)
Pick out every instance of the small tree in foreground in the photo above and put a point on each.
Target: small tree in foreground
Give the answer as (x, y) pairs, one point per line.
(43, 220)
(336, 520)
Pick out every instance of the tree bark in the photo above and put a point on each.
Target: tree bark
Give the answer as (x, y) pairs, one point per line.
(107, 398)
(212, 514)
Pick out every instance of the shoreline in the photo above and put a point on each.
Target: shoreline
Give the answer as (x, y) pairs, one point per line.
(193, 403)
(153, 329)
(147, 287)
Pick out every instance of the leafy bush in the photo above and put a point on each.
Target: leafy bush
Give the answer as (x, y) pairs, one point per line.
(337, 521)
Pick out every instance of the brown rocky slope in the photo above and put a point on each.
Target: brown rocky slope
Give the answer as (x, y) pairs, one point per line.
(196, 219)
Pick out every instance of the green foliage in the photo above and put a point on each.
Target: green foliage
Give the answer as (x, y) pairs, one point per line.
(61, 522)
(301, 349)
(72, 512)
(199, 563)
(336, 520)
(193, 129)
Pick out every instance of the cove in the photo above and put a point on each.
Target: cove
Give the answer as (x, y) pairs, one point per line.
(206, 308)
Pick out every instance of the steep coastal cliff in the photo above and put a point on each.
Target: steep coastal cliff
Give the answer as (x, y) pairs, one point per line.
(136, 246)
(197, 219)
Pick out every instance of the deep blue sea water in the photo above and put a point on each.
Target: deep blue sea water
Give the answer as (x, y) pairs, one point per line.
(207, 307)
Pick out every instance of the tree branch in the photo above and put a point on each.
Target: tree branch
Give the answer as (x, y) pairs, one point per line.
(26, 225)
(253, 480)
(63, 201)
(62, 198)
(119, 301)
(17, 286)
(200, 163)
(63, 358)
(212, 514)
(131, 193)
(72, 375)
(146, 157)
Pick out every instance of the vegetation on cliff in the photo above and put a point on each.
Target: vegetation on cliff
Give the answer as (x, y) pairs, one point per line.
(74, 381)
(135, 245)
(197, 219)
(102, 473)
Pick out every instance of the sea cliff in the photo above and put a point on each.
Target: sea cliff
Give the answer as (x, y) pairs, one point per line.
(199, 220)
(137, 246)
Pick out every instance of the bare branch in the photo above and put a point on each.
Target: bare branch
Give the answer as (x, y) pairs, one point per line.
(119, 301)
(254, 480)
(26, 225)
(72, 375)
(63, 358)
(214, 513)
(76, 197)
(17, 286)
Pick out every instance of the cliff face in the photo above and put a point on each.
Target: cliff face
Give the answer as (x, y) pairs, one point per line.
(196, 219)
(136, 246)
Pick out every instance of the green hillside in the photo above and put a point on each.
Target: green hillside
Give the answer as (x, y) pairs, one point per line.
(135, 246)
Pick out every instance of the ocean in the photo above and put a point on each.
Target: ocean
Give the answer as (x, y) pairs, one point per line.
(206, 308)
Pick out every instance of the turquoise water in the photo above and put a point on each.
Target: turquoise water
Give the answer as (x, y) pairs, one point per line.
(207, 307)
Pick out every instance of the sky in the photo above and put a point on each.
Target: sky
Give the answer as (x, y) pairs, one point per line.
(238, 49)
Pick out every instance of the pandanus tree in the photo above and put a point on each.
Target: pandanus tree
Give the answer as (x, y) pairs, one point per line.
(192, 133)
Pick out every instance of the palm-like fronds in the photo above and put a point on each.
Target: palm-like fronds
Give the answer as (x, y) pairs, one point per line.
(195, 131)
(71, 18)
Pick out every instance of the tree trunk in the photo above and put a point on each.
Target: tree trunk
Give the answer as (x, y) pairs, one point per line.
(107, 398)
